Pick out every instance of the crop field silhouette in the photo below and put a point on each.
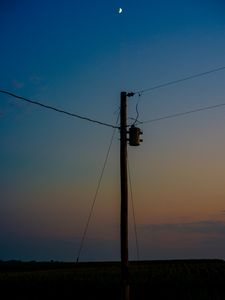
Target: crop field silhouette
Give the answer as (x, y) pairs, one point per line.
(175, 279)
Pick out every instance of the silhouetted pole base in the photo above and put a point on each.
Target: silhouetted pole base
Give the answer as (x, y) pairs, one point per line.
(125, 281)
(126, 292)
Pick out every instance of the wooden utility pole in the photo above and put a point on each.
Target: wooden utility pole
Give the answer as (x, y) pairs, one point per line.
(124, 197)
(134, 140)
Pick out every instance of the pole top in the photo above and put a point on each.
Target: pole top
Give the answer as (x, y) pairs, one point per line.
(130, 94)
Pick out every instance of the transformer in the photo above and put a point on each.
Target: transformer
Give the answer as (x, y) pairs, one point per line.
(134, 136)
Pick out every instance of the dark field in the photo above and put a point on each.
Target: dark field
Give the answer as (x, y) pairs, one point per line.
(188, 279)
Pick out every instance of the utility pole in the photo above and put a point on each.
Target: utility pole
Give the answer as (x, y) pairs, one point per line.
(134, 140)
(124, 197)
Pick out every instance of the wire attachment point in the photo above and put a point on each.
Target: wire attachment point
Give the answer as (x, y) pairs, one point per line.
(131, 94)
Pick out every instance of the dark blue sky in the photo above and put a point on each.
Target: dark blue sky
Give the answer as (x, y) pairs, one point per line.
(79, 56)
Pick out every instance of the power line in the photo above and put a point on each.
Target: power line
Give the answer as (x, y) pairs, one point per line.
(96, 193)
(182, 113)
(179, 80)
(56, 109)
(137, 111)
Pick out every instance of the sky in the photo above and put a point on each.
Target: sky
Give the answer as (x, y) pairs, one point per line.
(78, 56)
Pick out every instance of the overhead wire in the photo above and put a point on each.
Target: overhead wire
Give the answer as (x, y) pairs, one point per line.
(57, 109)
(183, 113)
(96, 194)
(140, 93)
(137, 110)
(179, 80)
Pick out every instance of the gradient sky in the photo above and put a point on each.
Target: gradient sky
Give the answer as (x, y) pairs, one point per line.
(78, 56)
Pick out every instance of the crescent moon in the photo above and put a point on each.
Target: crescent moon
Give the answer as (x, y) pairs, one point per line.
(120, 10)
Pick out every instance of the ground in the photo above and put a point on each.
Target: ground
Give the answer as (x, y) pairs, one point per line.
(177, 279)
